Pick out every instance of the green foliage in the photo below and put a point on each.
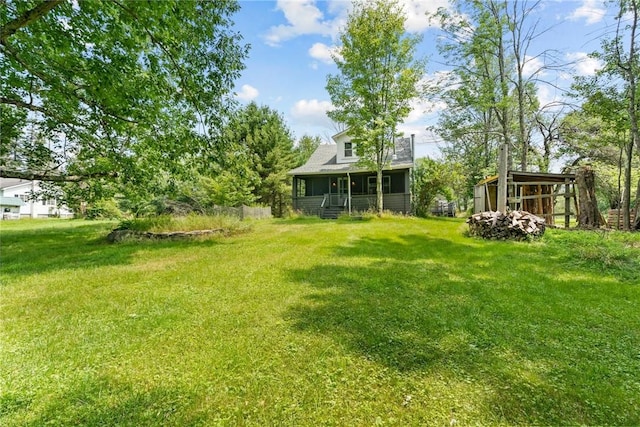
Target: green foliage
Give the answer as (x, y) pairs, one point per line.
(378, 76)
(261, 154)
(430, 179)
(103, 209)
(490, 100)
(613, 94)
(305, 148)
(115, 89)
(405, 321)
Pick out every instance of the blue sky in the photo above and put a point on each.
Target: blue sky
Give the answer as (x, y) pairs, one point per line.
(290, 43)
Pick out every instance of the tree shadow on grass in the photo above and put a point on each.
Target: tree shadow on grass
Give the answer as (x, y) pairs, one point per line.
(99, 401)
(45, 250)
(494, 313)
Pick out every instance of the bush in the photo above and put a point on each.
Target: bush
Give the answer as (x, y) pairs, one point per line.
(104, 209)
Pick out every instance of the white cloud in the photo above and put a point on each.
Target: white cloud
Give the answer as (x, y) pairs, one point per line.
(548, 95)
(322, 52)
(422, 109)
(584, 65)
(303, 18)
(416, 10)
(532, 66)
(592, 11)
(312, 112)
(247, 93)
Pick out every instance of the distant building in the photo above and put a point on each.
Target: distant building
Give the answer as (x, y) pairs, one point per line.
(16, 201)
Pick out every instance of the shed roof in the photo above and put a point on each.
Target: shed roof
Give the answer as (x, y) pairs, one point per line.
(12, 182)
(532, 177)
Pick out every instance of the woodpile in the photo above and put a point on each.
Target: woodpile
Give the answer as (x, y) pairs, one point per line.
(515, 225)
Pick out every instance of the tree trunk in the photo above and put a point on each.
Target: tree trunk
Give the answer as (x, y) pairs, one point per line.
(626, 198)
(636, 225)
(379, 198)
(589, 216)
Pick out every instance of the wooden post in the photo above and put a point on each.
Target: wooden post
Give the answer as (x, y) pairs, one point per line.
(502, 179)
(567, 203)
(349, 191)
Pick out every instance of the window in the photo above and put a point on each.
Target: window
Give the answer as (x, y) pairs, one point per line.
(386, 184)
(301, 187)
(348, 149)
(371, 185)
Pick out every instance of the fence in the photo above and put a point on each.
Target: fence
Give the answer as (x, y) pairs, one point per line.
(243, 212)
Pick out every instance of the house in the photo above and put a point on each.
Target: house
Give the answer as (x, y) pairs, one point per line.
(10, 207)
(332, 181)
(533, 192)
(12, 190)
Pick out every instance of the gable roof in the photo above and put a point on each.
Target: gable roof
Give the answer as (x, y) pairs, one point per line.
(324, 160)
(12, 182)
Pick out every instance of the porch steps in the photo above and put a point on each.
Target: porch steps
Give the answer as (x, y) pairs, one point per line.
(331, 213)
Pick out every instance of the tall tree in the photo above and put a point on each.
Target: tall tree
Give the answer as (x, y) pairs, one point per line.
(615, 88)
(262, 145)
(115, 89)
(494, 76)
(305, 148)
(378, 76)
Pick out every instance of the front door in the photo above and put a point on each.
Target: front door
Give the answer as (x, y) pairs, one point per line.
(339, 191)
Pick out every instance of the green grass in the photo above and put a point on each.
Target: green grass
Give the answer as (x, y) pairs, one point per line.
(306, 322)
(192, 222)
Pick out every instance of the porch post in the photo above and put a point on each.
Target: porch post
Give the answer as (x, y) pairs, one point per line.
(349, 191)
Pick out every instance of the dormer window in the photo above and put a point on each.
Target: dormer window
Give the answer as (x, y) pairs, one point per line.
(348, 149)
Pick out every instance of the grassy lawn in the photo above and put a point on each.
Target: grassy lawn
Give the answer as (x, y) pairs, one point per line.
(309, 322)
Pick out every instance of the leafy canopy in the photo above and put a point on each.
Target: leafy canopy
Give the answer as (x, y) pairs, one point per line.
(113, 88)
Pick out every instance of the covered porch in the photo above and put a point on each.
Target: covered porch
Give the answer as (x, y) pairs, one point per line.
(329, 196)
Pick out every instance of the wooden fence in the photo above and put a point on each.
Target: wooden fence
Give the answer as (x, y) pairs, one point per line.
(615, 219)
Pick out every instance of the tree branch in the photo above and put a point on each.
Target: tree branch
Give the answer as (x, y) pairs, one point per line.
(46, 176)
(26, 18)
(22, 104)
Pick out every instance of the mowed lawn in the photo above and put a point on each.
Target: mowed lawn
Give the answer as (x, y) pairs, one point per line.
(303, 322)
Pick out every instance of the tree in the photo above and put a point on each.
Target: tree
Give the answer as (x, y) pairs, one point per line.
(430, 179)
(378, 76)
(615, 89)
(114, 89)
(305, 148)
(491, 93)
(262, 145)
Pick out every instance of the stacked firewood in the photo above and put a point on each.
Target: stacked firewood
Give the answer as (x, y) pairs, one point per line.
(515, 225)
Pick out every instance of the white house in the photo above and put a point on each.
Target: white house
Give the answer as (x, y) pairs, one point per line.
(16, 202)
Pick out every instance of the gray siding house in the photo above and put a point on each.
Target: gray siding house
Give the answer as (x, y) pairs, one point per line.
(332, 182)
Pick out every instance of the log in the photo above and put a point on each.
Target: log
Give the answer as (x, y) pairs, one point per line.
(515, 225)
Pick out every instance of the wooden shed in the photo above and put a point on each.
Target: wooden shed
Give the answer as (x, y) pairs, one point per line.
(533, 192)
